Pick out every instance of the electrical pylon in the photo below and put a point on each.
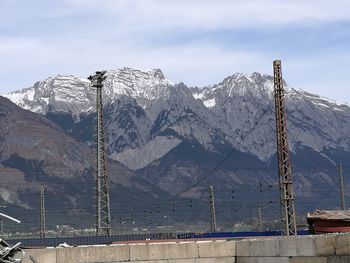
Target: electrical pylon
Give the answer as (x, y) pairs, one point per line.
(103, 216)
(42, 213)
(212, 210)
(284, 163)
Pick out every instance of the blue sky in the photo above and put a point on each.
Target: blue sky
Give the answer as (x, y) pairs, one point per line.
(199, 42)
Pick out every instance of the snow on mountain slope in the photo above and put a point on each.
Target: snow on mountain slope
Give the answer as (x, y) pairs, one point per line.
(143, 85)
(75, 95)
(246, 102)
(142, 105)
(60, 93)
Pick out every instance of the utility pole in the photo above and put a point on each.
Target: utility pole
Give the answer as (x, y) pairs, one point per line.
(260, 215)
(103, 216)
(212, 210)
(42, 213)
(259, 219)
(341, 186)
(115, 225)
(284, 163)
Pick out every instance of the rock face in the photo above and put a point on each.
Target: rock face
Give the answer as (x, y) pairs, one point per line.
(36, 151)
(180, 138)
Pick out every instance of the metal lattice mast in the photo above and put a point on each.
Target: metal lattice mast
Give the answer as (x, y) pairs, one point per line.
(212, 210)
(284, 163)
(42, 213)
(103, 216)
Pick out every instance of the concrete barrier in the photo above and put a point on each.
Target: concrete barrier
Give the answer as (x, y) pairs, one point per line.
(300, 246)
(325, 245)
(308, 260)
(334, 248)
(342, 245)
(268, 247)
(218, 249)
(47, 255)
(112, 253)
(262, 260)
(156, 251)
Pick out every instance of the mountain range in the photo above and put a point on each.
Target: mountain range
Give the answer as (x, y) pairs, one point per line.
(169, 141)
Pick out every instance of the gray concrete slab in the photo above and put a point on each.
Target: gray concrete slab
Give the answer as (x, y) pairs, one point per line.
(186, 260)
(153, 261)
(325, 245)
(342, 245)
(288, 247)
(216, 260)
(262, 260)
(297, 246)
(92, 254)
(264, 247)
(308, 260)
(306, 246)
(339, 259)
(218, 248)
(41, 255)
(153, 251)
(242, 248)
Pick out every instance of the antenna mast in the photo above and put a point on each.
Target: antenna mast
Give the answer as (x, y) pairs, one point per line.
(103, 216)
(284, 163)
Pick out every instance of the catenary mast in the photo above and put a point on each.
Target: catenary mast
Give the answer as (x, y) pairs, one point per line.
(284, 163)
(42, 213)
(103, 216)
(212, 210)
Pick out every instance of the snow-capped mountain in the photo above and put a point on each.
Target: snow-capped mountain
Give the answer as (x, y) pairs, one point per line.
(75, 95)
(241, 106)
(246, 102)
(172, 133)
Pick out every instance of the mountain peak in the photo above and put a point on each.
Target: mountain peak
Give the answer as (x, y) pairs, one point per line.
(240, 84)
(74, 94)
(137, 74)
(255, 77)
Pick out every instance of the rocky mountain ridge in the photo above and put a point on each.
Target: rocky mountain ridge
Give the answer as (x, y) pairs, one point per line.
(241, 107)
(180, 138)
(35, 151)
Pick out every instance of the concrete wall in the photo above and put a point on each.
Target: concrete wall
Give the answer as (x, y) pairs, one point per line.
(334, 248)
(307, 249)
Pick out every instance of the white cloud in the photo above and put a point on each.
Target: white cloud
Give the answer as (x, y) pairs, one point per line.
(208, 14)
(199, 64)
(80, 36)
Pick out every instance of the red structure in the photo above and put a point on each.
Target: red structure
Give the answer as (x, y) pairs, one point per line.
(334, 221)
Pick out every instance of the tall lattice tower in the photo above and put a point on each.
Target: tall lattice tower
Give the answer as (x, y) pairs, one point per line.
(42, 213)
(212, 210)
(103, 216)
(284, 163)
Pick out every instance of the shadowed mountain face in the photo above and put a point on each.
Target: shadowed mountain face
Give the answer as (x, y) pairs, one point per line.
(177, 139)
(35, 151)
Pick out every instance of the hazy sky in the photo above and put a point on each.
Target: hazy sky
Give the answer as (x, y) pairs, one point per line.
(198, 42)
